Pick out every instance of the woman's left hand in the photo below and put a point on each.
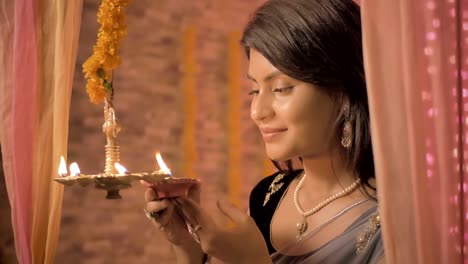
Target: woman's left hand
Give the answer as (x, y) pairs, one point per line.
(241, 243)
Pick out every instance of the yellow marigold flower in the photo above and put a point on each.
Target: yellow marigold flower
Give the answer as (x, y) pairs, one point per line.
(96, 91)
(99, 66)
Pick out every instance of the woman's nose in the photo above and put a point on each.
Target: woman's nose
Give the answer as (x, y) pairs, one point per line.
(261, 108)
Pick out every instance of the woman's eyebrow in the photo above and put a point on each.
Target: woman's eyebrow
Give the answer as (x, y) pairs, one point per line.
(270, 76)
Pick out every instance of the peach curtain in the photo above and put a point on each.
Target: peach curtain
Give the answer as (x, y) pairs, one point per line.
(38, 41)
(415, 60)
(57, 50)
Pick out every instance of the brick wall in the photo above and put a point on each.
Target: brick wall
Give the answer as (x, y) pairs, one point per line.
(151, 105)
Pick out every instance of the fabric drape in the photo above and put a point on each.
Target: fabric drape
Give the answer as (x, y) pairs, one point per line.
(415, 64)
(38, 41)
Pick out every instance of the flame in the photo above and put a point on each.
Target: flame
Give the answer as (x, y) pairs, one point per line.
(162, 164)
(121, 169)
(74, 169)
(62, 170)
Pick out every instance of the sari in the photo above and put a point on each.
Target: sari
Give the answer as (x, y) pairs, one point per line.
(361, 242)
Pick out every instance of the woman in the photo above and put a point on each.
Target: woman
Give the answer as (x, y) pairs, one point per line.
(309, 101)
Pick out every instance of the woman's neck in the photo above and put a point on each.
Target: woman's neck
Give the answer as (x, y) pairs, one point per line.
(326, 174)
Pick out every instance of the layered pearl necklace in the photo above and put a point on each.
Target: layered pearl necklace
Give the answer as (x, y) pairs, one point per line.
(301, 227)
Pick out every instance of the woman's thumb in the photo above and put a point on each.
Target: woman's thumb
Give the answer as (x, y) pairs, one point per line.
(194, 192)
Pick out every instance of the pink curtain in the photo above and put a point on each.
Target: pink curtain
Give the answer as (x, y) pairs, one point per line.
(416, 68)
(38, 43)
(18, 89)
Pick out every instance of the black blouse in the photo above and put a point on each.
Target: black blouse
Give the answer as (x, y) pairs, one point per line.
(264, 200)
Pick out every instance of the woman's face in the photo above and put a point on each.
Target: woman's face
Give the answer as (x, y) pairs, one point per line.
(295, 118)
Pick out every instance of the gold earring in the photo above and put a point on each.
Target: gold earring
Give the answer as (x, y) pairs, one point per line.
(346, 138)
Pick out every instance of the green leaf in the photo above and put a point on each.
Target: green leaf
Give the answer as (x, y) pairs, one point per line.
(108, 86)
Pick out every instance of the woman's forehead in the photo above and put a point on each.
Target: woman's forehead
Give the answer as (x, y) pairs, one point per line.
(261, 69)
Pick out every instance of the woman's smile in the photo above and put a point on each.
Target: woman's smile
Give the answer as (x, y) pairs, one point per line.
(269, 134)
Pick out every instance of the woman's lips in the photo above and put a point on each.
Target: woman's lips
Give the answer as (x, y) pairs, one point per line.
(269, 134)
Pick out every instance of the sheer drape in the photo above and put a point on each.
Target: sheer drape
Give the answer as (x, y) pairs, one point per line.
(58, 43)
(37, 57)
(18, 88)
(416, 67)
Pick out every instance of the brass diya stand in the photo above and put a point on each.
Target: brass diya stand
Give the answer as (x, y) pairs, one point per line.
(112, 181)
(111, 129)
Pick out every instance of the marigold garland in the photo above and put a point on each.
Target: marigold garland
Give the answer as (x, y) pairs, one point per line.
(99, 67)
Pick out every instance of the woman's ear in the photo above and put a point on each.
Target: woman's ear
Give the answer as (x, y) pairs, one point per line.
(345, 106)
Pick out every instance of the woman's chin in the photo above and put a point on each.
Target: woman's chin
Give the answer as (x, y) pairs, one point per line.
(280, 152)
(278, 157)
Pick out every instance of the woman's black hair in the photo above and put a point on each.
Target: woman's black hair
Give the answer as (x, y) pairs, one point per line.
(320, 42)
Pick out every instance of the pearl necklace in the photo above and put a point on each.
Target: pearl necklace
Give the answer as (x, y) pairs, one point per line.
(301, 227)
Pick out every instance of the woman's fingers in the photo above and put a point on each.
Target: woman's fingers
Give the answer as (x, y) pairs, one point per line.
(146, 184)
(163, 211)
(150, 195)
(200, 224)
(189, 215)
(232, 212)
(195, 214)
(190, 208)
(194, 210)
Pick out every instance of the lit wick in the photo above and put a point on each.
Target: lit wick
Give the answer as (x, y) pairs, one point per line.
(74, 169)
(162, 164)
(121, 169)
(62, 170)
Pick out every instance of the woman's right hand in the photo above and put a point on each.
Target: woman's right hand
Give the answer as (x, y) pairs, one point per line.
(170, 221)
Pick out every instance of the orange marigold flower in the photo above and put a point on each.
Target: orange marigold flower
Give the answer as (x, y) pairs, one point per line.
(99, 66)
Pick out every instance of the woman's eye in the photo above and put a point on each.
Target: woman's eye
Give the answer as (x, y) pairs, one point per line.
(253, 92)
(283, 90)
